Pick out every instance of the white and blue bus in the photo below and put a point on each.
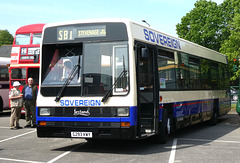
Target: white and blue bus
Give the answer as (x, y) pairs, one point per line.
(4, 83)
(117, 79)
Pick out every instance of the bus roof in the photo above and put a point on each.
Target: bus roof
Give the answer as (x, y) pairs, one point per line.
(32, 28)
(152, 36)
(4, 61)
(85, 21)
(5, 51)
(149, 35)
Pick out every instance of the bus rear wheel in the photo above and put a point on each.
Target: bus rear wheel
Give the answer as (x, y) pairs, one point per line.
(214, 119)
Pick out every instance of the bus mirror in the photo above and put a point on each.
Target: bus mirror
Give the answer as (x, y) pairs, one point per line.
(36, 58)
(145, 53)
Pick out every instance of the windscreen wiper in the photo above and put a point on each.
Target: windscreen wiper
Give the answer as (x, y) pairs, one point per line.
(72, 74)
(109, 92)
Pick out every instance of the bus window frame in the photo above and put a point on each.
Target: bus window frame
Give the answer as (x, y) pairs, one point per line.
(16, 39)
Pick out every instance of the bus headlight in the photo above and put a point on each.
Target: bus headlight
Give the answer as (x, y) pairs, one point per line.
(44, 111)
(123, 112)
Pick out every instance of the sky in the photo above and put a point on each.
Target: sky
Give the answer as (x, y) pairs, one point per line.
(162, 15)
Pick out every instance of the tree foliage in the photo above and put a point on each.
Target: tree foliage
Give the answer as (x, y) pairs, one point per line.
(231, 46)
(214, 26)
(207, 24)
(5, 38)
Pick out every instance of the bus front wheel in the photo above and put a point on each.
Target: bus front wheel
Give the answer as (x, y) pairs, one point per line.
(163, 129)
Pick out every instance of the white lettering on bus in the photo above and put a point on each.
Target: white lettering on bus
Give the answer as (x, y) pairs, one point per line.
(80, 102)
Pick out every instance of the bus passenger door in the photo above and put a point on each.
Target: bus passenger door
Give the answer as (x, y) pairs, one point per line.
(147, 91)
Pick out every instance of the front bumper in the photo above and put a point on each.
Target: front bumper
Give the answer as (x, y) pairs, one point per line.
(121, 133)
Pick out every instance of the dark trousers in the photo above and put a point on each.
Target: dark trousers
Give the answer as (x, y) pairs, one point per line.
(30, 112)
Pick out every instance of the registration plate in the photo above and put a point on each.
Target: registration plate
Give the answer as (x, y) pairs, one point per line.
(81, 134)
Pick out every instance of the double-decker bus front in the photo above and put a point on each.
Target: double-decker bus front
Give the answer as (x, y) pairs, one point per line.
(25, 55)
(85, 82)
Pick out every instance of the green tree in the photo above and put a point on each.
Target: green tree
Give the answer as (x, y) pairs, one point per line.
(231, 46)
(5, 38)
(207, 24)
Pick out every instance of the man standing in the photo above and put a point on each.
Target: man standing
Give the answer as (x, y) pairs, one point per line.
(29, 96)
(16, 106)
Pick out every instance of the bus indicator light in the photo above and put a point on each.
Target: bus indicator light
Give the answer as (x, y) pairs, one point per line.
(125, 124)
(42, 123)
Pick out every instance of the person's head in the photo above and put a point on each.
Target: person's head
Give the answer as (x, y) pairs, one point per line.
(67, 64)
(30, 81)
(16, 84)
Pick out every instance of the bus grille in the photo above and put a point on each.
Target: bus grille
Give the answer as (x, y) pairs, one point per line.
(84, 124)
(83, 112)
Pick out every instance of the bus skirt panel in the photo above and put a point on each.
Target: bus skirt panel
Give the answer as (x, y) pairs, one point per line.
(97, 133)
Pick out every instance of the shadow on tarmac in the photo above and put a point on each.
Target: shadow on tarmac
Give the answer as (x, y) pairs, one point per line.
(5, 113)
(226, 124)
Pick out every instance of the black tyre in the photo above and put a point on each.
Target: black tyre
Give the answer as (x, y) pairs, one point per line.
(1, 104)
(162, 136)
(214, 119)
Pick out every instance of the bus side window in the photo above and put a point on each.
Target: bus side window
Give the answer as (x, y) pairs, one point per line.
(166, 70)
(4, 74)
(194, 78)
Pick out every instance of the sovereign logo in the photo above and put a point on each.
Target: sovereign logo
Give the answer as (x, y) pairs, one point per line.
(80, 112)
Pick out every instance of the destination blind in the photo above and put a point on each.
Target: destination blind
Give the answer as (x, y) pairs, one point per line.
(71, 33)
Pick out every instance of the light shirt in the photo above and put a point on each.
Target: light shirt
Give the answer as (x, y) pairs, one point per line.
(15, 102)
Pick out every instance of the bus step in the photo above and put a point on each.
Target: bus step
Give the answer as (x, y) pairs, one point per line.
(146, 131)
(144, 135)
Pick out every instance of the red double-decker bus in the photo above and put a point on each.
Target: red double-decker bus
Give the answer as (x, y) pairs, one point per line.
(25, 55)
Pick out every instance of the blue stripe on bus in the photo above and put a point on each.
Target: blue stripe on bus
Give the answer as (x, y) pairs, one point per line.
(186, 108)
(182, 109)
(132, 118)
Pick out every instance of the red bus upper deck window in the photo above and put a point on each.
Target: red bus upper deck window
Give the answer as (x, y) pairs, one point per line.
(36, 38)
(22, 39)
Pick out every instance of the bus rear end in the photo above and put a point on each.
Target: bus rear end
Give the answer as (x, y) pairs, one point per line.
(4, 83)
(85, 82)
